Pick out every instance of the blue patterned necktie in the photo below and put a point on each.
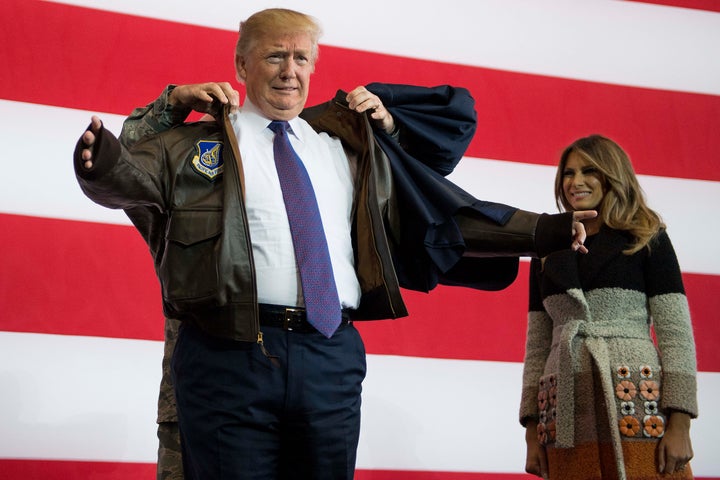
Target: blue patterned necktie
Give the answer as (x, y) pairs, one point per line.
(311, 251)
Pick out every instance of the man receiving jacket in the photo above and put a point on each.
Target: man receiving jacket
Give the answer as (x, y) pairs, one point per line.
(260, 392)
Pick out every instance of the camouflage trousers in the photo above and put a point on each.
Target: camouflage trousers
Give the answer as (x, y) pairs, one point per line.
(169, 464)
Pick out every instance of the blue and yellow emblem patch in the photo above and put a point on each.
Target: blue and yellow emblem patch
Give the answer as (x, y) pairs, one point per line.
(208, 160)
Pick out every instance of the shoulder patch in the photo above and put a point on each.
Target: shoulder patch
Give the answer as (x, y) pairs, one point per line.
(208, 160)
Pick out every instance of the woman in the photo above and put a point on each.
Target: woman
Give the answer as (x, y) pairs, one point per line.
(600, 398)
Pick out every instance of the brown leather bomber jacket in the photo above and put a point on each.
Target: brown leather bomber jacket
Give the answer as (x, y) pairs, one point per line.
(196, 227)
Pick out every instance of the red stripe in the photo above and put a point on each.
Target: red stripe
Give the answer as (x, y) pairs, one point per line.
(526, 118)
(76, 278)
(32, 469)
(425, 475)
(63, 470)
(709, 5)
(99, 280)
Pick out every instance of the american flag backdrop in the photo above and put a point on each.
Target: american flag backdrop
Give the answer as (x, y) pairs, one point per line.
(80, 315)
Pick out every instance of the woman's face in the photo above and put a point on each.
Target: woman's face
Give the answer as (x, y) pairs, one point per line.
(582, 184)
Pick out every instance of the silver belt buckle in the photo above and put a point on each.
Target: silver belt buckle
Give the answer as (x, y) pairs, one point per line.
(289, 312)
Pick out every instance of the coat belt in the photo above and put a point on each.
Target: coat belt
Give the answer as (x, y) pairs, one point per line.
(594, 336)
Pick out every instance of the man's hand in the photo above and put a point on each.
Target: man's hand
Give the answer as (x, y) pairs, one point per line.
(206, 97)
(578, 231)
(361, 100)
(88, 138)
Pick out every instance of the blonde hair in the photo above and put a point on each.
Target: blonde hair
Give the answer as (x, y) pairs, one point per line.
(623, 206)
(272, 20)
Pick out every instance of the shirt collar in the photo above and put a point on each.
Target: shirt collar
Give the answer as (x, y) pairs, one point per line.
(254, 118)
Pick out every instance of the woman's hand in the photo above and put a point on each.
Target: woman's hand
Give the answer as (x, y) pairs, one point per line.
(675, 448)
(536, 457)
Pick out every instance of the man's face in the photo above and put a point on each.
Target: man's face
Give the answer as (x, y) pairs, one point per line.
(276, 74)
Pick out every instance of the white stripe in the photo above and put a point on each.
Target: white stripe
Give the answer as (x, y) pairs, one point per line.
(459, 415)
(78, 398)
(626, 43)
(40, 182)
(67, 397)
(38, 176)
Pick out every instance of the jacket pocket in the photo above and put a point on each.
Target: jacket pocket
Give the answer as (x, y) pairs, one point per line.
(189, 269)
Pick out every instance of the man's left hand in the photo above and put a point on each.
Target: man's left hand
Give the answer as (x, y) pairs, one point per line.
(361, 100)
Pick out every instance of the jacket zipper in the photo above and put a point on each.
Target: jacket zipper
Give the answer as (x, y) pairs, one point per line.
(232, 140)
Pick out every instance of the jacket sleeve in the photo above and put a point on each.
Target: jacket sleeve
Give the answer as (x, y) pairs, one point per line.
(526, 234)
(120, 180)
(447, 235)
(673, 328)
(436, 124)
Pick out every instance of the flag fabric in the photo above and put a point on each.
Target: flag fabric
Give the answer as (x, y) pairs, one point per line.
(80, 314)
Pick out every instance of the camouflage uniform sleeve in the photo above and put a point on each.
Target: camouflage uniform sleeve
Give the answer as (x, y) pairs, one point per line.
(153, 118)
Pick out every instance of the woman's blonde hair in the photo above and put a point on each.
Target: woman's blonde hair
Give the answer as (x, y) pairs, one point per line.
(623, 206)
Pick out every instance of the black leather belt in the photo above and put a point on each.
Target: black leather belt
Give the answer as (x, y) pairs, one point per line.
(293, 319)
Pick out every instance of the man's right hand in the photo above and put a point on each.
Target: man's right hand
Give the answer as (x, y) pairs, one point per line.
(88, 139)
(206, 97)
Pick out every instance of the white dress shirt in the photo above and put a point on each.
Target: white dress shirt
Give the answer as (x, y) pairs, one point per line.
(277, 275)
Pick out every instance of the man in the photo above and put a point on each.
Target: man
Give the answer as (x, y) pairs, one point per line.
(266, 386)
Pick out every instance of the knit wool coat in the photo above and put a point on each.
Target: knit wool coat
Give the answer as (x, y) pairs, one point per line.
(597, 382)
